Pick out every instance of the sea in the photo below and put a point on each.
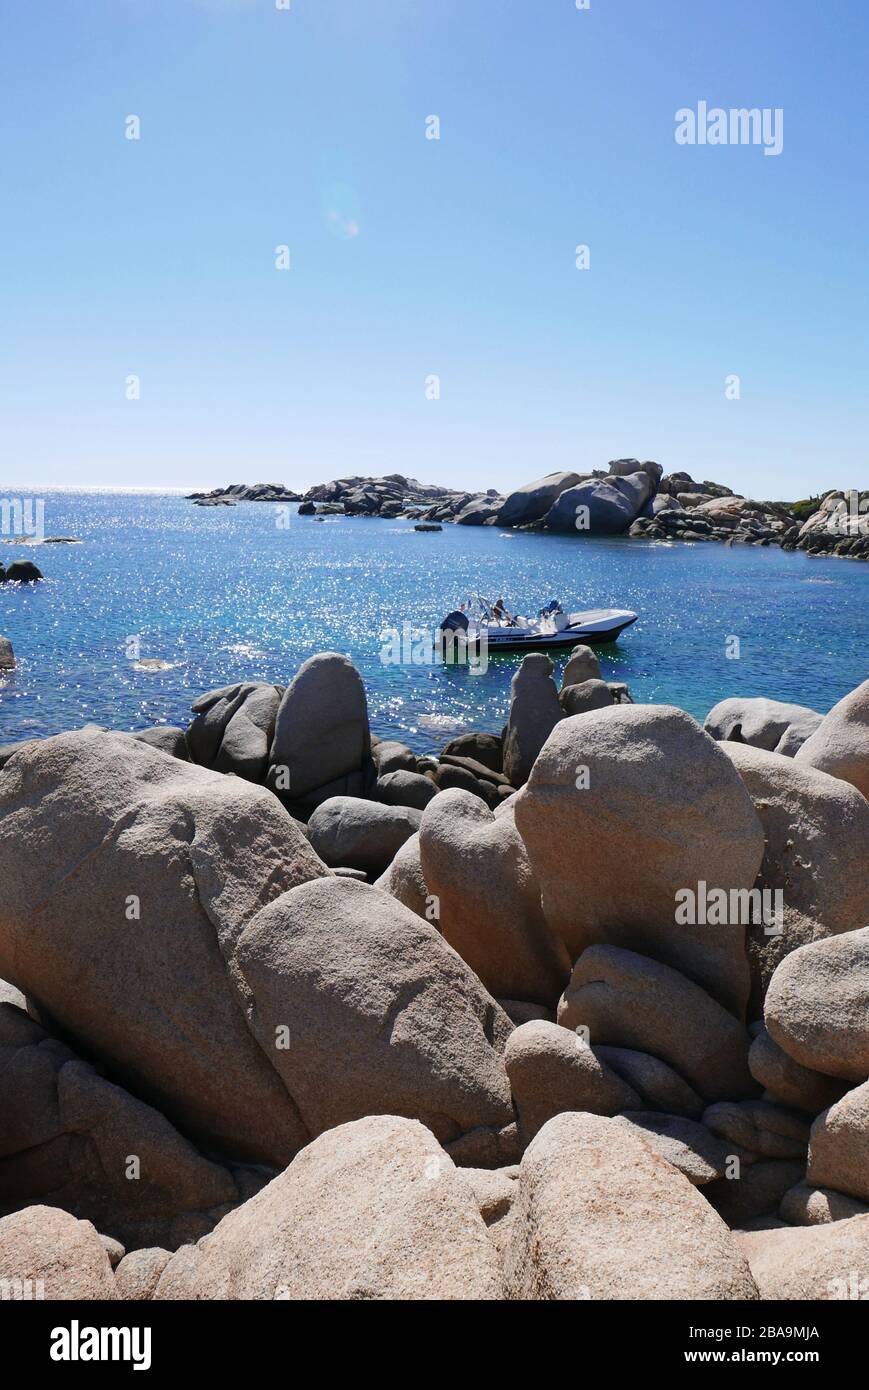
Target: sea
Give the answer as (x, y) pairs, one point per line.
(162, 600)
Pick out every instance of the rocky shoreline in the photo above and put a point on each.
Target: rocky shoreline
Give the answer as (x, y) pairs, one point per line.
(627, 498)
(578, 1009)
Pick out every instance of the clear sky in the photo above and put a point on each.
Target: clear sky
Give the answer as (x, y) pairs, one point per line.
(412, 257)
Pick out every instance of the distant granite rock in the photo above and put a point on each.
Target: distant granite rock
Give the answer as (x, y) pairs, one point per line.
(630, 497)
(244, 492)
(840, 526)
(21, 572)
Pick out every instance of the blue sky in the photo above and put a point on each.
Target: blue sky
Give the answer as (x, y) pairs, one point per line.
(412, 257)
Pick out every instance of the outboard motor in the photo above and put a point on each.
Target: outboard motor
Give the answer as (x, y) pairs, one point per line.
(455, 622)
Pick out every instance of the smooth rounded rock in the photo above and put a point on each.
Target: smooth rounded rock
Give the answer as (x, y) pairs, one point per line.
(628, 1000)
(817, 1005)
(840, 744)
(552, 1069)
(626, 808)
(488, 899)
(599, 1215)
(363, 835)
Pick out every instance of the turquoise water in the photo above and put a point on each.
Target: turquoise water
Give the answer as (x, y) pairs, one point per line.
(225, 594)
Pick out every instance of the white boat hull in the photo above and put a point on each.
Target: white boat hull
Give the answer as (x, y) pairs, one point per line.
(593, 626)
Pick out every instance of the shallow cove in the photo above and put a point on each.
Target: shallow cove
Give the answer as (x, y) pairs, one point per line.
(224, 594)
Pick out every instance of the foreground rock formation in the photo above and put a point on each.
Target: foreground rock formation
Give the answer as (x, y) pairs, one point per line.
(575, 1011)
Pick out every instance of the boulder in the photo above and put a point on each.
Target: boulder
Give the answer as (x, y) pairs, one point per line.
(626, 808)
(762, 723)
(584, 696)
(817, 847)
(365, 1009)
(817, 1005)
(321, 730)
(483, 748)
(625, 468)
(388, 755)
(534, 713)
(768, 1130)
(373, 1210)
(447, 777)
(7, 656)
(628, 1000)
(788, 1083)
(47, 1254)
(363, 835)
(552, 1070)
(657, 1084)
(839, 1146)
(479, 510)
(825, 1263)
(405, 789)
(582, 665)
(138, 1274)
(803, 1205)
(601, 1216)
(840, 744)
(600, 506)
(67, 1133)
(477, 770)
(167, 738)
(232, 728)
(697, 1153)
(404, 881)
(488, 900)
(122, 929)
(531, 502)
(23, 572)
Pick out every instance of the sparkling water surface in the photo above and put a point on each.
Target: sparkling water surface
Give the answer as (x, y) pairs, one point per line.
(234, 593)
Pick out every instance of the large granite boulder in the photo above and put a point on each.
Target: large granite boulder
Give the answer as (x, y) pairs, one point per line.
(534, 713)
(826, 1263)
(531, 502)
(47, 1254)
(815, 857)
(121, 929)
(817, 1005)
(358, 834)
(840, 744)
(365, 1009)
(626, 808)
(488, 899)
(373, 1210)
(625, 468)
(599, 1215)
(600, 506)
(839, 1146)
(67, 1135)
(404, 880)
(581, 665)
(321, 731)
(552, 1070)
(23, 572)
(232, 728)
(786, 1082)
(168, 738)
(770, 724)
(626, 1000)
